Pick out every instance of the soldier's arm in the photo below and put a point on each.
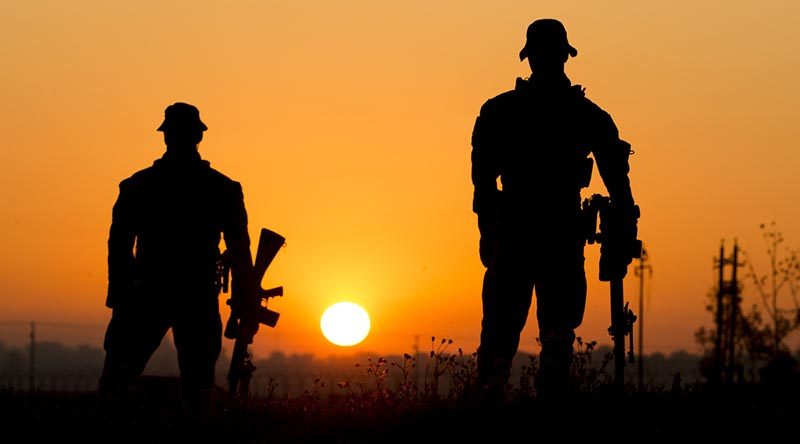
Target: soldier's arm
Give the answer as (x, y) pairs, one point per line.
(611, 154)
(237, 240)
(485, 168)
(620, 231)
(121, 239)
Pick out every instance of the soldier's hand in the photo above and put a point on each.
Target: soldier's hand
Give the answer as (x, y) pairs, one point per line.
(488, 250)
(620, 244)
(120, 294)
(489, 226)
(613, 263)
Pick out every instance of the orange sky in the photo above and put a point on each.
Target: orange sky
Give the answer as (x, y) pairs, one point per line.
(348, 124)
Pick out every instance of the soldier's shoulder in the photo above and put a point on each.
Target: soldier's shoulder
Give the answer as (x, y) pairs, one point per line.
(502, 102)
(222, 180)
(588, 105)
(504, 98)
(138, 178)
(219, 176)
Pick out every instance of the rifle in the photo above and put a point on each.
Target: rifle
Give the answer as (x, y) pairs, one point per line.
(247, 312)
(618, 249)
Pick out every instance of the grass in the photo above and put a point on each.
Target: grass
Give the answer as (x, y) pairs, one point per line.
(385, 403)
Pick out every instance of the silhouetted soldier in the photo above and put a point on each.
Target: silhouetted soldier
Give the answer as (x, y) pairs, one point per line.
(537, 139)
(173, 212)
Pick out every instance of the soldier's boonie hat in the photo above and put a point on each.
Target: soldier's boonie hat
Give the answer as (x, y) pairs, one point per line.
(544, 33)
(181, 115)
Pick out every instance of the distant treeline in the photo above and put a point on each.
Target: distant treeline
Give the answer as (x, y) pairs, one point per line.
(60, 367)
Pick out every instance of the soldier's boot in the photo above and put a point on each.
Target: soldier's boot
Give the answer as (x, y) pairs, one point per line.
(493, 374)
(197, 403)
(115, 388)
(553, 380)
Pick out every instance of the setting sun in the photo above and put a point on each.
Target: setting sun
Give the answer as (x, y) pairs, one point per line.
(345, 324)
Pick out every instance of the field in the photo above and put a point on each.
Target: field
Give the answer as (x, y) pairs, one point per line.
(387, 418)
(375, 408)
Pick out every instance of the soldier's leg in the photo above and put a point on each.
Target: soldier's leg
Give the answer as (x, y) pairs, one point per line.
(507, 293)
(198, 339)
(133, 334)
(560, 305)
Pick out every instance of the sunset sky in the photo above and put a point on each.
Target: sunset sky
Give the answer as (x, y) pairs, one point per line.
(348, 125)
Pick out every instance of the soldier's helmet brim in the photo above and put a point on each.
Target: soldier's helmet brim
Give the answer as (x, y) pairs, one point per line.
(546, 33)
(183, 116)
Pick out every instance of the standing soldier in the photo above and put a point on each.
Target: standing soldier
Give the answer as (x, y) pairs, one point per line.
(173, 213)
(536, 139)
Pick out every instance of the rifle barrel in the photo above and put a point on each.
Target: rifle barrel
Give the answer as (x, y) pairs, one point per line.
(618, 332)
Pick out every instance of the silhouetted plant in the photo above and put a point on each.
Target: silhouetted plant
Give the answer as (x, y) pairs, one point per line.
(346, 386)
(308, 401)
(585, 375)
(759, 341)
(451, 378)
(272, 385)
(316, 389)
(463, 371)
(408, 387)
(527, 377)
(378, 372)
(778, 284)
(751, 341)
(373, 379)
(439, 361)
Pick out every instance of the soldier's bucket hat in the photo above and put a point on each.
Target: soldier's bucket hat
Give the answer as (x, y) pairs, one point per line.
(546, 33)
(181, 115)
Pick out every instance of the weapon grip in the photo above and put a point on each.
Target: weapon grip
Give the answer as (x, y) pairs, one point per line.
(272, 292)
(231, 328)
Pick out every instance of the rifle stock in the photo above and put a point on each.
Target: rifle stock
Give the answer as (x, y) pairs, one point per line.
(247, 313)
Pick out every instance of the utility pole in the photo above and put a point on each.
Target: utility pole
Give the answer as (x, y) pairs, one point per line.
(718, 337)
(415, 372)
(33, 357)
(643, 266)
(733, 292)
(725, 340)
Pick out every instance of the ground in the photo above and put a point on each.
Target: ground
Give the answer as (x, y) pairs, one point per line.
(154, 414)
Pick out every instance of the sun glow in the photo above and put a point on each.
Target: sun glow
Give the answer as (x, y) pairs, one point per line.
(345, 324)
